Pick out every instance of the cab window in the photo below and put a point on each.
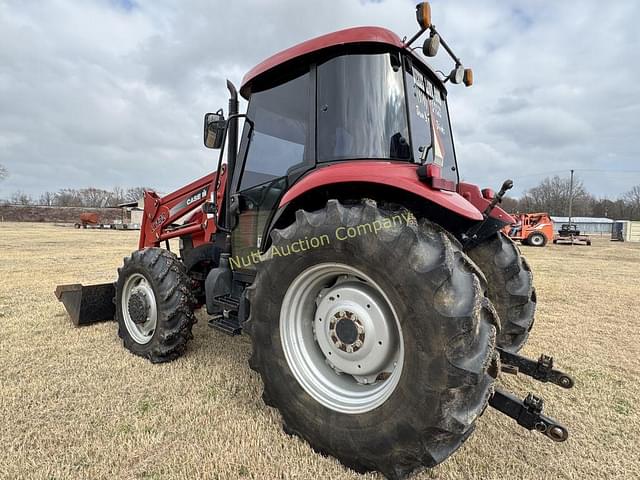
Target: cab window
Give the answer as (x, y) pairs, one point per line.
(280, 137)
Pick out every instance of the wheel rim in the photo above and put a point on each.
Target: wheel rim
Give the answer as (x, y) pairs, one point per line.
(341, 338)
(536, 240)
(139, 308)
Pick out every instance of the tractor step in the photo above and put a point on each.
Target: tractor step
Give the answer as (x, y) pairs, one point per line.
(227, 302)
(542, 370)
(87, 304)
(227, 321)
(528, 414)
(226, 324)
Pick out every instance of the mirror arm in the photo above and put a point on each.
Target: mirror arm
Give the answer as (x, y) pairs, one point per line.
(415, 37)
(446, 46)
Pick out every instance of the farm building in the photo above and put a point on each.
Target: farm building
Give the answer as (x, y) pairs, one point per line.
(136, 215)
(587, 225)
(626, 231)
(134, 212)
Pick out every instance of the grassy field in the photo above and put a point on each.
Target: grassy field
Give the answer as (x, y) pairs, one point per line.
(75, 404)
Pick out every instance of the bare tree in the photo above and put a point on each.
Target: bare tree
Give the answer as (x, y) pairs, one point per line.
(67, 197)
(136, 193)
(632, 199)
(95, 197)
(552, 195)
(47, 198)
(118, 196)
(21, 198)
(510, 204)
(4, 173)
(614, 209)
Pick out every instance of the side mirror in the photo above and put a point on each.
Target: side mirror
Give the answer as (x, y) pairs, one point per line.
(214, 128)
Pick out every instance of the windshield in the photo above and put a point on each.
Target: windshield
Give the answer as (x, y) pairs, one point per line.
(429, 121)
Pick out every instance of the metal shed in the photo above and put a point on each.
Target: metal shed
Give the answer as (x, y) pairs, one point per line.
(626, 231)
(587, 225)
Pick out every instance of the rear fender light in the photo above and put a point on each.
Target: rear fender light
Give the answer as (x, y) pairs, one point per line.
(431, 175)
(488, 193)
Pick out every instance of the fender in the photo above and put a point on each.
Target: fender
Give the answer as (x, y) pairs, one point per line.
(401, 175)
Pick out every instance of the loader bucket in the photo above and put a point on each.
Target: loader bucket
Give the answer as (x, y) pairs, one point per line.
(88, 304)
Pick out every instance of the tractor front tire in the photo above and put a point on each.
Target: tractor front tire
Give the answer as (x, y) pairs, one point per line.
(511, 288)
(537, 239)
(376, 345)
(154, 305)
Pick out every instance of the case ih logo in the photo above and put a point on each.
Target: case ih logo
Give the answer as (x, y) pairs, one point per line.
(198, 196)
(202, 194)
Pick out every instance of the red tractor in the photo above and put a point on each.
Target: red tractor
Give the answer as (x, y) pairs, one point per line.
(378, 289)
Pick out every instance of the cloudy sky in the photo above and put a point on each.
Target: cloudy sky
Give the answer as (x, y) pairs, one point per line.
(111, 92)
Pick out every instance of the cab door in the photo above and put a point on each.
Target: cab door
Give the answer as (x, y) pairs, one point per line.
(280, 142)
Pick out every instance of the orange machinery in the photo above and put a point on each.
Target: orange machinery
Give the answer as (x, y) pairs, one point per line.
(534, 229)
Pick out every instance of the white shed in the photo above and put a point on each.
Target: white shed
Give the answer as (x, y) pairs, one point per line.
(626, 231)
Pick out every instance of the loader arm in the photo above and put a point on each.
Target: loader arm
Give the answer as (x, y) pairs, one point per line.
(162, 213)
(87, 304)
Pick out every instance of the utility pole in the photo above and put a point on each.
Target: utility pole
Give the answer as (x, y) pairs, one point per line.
(570, 197)
(571, 205)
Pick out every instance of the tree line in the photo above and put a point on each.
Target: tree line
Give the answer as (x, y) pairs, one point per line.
(552, 196)
(83, 197)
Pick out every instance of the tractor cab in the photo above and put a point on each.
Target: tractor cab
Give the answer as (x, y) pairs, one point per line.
(357, 96)
(568, 229)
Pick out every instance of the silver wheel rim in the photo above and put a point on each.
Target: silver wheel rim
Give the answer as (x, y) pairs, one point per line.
(141, 333)
(536, 240)
(341, 338)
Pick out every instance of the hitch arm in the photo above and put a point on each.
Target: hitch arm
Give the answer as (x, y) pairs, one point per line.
(528, 414)
(542, 370)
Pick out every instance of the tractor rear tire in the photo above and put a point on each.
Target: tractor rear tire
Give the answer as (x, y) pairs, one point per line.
(443, 375)
(154, 305)
(511, 288)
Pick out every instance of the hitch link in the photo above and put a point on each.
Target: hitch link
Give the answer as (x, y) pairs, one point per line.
(542, 370)
(528, 414)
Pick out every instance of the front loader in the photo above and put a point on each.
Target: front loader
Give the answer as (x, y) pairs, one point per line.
(381, 297)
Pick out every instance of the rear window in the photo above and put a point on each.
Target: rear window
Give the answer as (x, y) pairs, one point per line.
(429, 121)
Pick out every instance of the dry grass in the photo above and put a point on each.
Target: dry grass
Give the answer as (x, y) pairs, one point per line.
(74, 404)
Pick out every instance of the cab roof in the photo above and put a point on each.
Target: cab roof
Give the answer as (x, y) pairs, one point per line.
(356, 35)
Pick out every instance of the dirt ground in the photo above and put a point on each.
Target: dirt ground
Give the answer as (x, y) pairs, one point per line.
(75, 404)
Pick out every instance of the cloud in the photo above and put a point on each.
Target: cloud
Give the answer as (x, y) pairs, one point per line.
(112, 92)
